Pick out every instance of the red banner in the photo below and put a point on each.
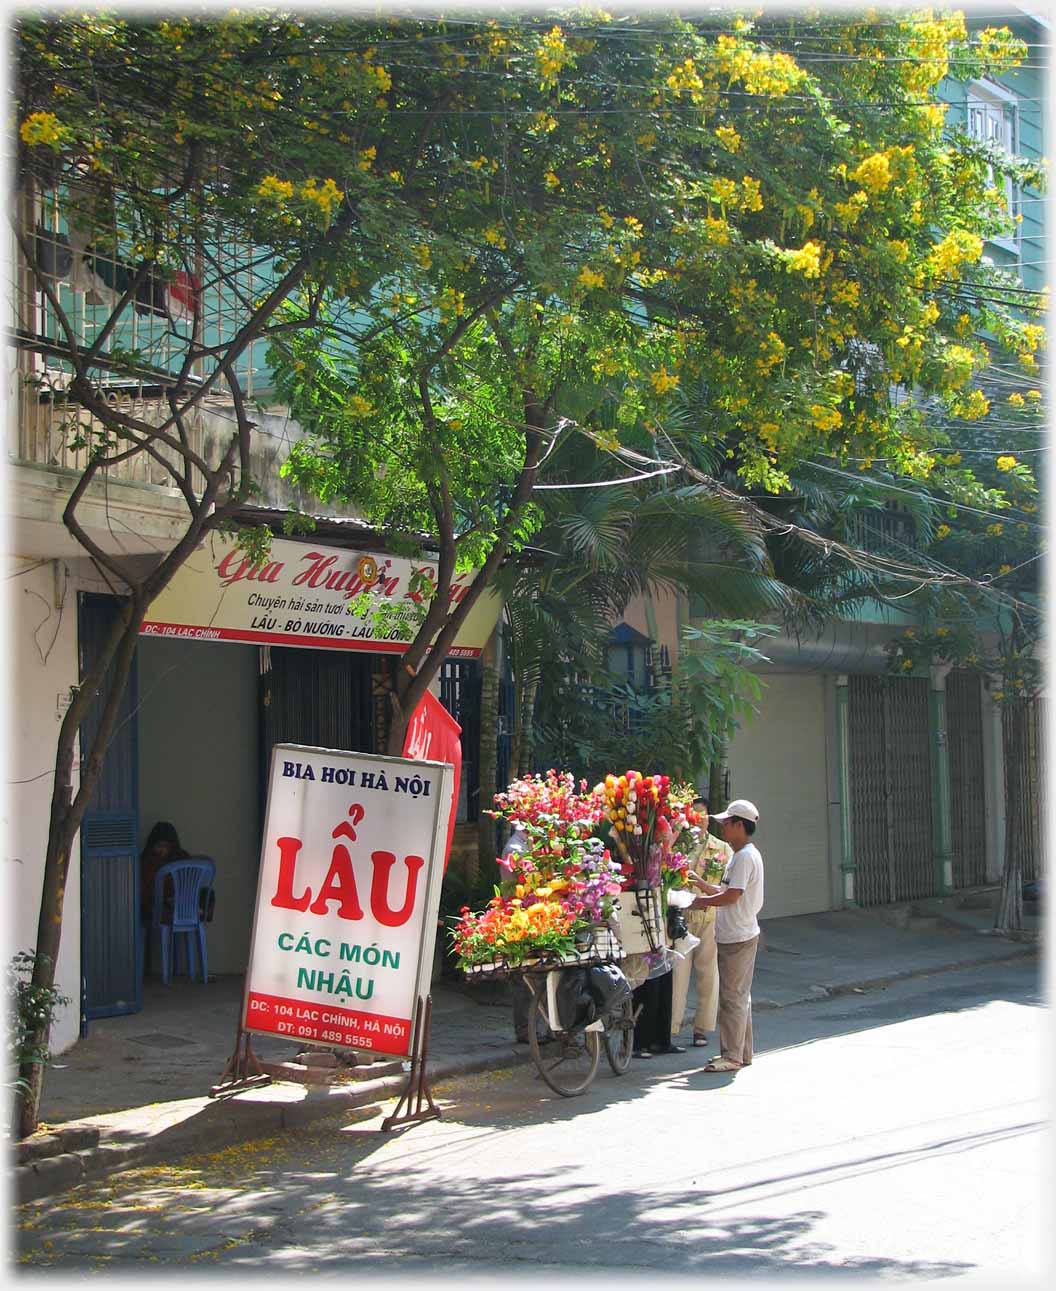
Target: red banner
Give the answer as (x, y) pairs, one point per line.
(326, 1023)
(434, 736)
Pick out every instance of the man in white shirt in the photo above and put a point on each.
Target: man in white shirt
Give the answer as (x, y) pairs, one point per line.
(738, 900)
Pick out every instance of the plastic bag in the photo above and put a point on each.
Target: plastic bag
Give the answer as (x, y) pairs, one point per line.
(608, 986)
(575, 1000)
(685, 945)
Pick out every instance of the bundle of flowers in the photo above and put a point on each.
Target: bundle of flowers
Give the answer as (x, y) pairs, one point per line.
(543, 804)
(647, 821)
(561, 883)
(511, 930)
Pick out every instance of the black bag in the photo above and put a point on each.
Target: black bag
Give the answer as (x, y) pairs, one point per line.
(677, 928)
(608, 987)
(575, 1003)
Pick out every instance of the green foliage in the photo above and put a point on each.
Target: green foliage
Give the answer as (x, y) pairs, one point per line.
(678, 727)
(994, 625)
(32, 1010)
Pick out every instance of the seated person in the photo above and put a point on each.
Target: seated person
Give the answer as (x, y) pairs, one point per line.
(162, 846)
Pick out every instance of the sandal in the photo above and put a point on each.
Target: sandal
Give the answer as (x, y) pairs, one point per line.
(700, 1040)
(722, 1064)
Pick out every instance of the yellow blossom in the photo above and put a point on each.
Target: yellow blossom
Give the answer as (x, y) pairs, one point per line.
(366, 158)
(957, 248)
(1004, 569)
(717, 231)
(323, 196)
(728, 138)
(753, 199)
(494, 237)
(724, 190)
(551, 57)
(849, 212)
(663, 380)
(1016, 399)
(807, 260)
(994, 530)
(874, 173)
(1006, 462)
(943, 531)
(825, 418)
(43, 129)
(271, 188)
(551, 180)
(360, 407)
(590, 278)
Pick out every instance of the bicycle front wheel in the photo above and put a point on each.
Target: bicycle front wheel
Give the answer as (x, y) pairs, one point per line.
(570, 1060)
(619, 1037)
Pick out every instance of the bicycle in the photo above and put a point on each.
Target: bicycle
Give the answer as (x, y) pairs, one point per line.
(568, 1061)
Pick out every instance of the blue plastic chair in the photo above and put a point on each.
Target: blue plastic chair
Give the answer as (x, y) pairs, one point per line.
(192, 881)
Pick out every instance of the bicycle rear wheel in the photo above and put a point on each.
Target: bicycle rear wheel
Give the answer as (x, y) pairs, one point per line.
(569, 1062)
(619, 1037)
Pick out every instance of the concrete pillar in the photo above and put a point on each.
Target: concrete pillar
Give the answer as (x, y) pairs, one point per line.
(941, 816)
(994, 774)
(848, 865)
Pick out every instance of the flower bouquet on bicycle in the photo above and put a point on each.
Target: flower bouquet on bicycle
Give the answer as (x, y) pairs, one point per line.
(549, 922)
(557, 888)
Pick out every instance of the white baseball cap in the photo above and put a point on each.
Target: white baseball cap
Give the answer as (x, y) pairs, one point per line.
(739, 807)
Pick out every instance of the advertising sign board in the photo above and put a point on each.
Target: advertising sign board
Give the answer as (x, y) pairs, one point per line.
(299, 597)
(347, 899)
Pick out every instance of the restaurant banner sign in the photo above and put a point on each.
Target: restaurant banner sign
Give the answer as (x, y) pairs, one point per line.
(348, 896)
(300, 595)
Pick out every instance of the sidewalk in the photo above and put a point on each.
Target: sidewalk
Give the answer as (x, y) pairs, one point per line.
(135, 1090)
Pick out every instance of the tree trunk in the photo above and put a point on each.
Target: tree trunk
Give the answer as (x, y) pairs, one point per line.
(109, 676)
(716, 783)
(1015, 741)
(486, 759)
(526, 720)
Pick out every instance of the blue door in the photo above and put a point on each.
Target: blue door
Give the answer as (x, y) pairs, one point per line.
(110, 976)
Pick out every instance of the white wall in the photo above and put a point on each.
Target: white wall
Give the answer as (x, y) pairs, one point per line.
(778, 761)
(41, 613)
(198, 759)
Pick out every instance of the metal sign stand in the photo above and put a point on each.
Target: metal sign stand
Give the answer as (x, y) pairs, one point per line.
(243, 1070)
(417, 1091)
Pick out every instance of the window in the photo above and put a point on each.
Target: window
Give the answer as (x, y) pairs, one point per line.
(991, 120)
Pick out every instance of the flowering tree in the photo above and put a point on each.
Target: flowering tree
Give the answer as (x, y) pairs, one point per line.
(465, 237)
(624, 209)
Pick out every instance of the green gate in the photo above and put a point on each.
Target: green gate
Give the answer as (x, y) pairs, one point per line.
(890, 764)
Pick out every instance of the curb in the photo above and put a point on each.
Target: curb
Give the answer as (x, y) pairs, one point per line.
(822, 992)
(39, 1175)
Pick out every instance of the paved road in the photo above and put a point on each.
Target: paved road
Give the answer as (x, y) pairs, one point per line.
(897, 1134)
